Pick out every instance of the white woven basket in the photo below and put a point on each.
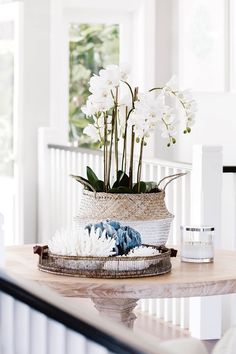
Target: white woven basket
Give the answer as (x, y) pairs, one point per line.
(145, 212)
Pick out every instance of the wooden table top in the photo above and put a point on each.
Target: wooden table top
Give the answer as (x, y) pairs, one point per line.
(184, 280)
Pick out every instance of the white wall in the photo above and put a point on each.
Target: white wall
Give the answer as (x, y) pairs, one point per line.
(216, 116)
(215, 125)
(164, 48)
(35, 100)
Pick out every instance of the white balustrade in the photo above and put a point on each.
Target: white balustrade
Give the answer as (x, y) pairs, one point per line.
(26, 331)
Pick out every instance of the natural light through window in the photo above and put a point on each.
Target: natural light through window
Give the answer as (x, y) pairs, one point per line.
(91, 47)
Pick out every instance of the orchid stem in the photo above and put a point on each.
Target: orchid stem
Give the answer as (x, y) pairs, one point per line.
(140, 164)
(131, 158)
(105, 153)
(110, 152)
(125, 141)
(116, 134)
(134, 98)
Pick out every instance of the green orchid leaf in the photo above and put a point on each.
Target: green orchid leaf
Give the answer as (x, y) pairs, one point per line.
(99, 186)
(122, 180)
(120, 190)
(150, 186)
(83, 181)
(155, 190)
(92, 178)
(141, 188)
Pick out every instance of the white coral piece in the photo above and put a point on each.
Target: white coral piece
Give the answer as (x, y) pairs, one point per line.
(143, 251)
(64, 243)
(93, 244)
(96, 244)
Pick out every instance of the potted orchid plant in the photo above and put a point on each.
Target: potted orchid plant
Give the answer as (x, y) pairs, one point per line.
(119, 123)
(122, 119)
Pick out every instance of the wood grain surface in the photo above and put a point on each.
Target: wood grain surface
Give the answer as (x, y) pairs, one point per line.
(185, 279)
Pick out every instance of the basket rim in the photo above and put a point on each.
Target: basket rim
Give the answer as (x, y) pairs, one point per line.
(117, 195)
(164, 254)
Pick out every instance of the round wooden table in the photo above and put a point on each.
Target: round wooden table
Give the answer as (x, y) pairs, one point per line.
(117, 298)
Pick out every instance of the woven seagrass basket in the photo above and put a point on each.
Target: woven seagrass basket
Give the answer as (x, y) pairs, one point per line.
(145, 212)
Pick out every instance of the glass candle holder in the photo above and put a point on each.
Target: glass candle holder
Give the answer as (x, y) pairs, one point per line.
(197, 244)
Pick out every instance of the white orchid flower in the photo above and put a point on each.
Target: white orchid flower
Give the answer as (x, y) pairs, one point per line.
(96, 83)
(148, 112)
(111, 77)
(124, 71)
(103, 102)
(92, 131)
(89, 109)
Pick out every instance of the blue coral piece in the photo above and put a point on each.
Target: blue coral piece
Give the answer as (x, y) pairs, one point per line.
(126, 237)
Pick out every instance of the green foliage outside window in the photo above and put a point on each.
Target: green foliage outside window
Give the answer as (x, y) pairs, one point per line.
(91, 48)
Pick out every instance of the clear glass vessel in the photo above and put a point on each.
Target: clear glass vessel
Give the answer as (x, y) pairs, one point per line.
(197, 244)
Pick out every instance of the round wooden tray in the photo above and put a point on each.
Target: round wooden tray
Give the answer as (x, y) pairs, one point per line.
(105, 267)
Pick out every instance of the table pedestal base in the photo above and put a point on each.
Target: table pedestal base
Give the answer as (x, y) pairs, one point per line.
(119, 310)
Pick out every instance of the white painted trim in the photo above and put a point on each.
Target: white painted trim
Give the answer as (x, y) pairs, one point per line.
(129, 6)
(13, 12)
(59, 68)
(144, 48)
(206, 189)
(35, 109)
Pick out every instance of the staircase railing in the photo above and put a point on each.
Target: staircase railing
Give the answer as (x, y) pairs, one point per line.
(35, 320)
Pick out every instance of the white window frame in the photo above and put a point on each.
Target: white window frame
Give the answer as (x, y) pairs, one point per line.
(137, 20)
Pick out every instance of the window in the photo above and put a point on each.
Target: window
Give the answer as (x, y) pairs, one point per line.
(91, 47)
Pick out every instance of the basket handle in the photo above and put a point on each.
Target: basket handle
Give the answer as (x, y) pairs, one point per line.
(84, 183)
(172, 178)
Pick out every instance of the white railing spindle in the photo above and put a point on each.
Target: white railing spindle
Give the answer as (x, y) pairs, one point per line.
(56, 338)
(7, 324)
(38, 332)
(21, 328)
(26, 331)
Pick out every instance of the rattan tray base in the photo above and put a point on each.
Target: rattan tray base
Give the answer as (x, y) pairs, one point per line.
(104, 267)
